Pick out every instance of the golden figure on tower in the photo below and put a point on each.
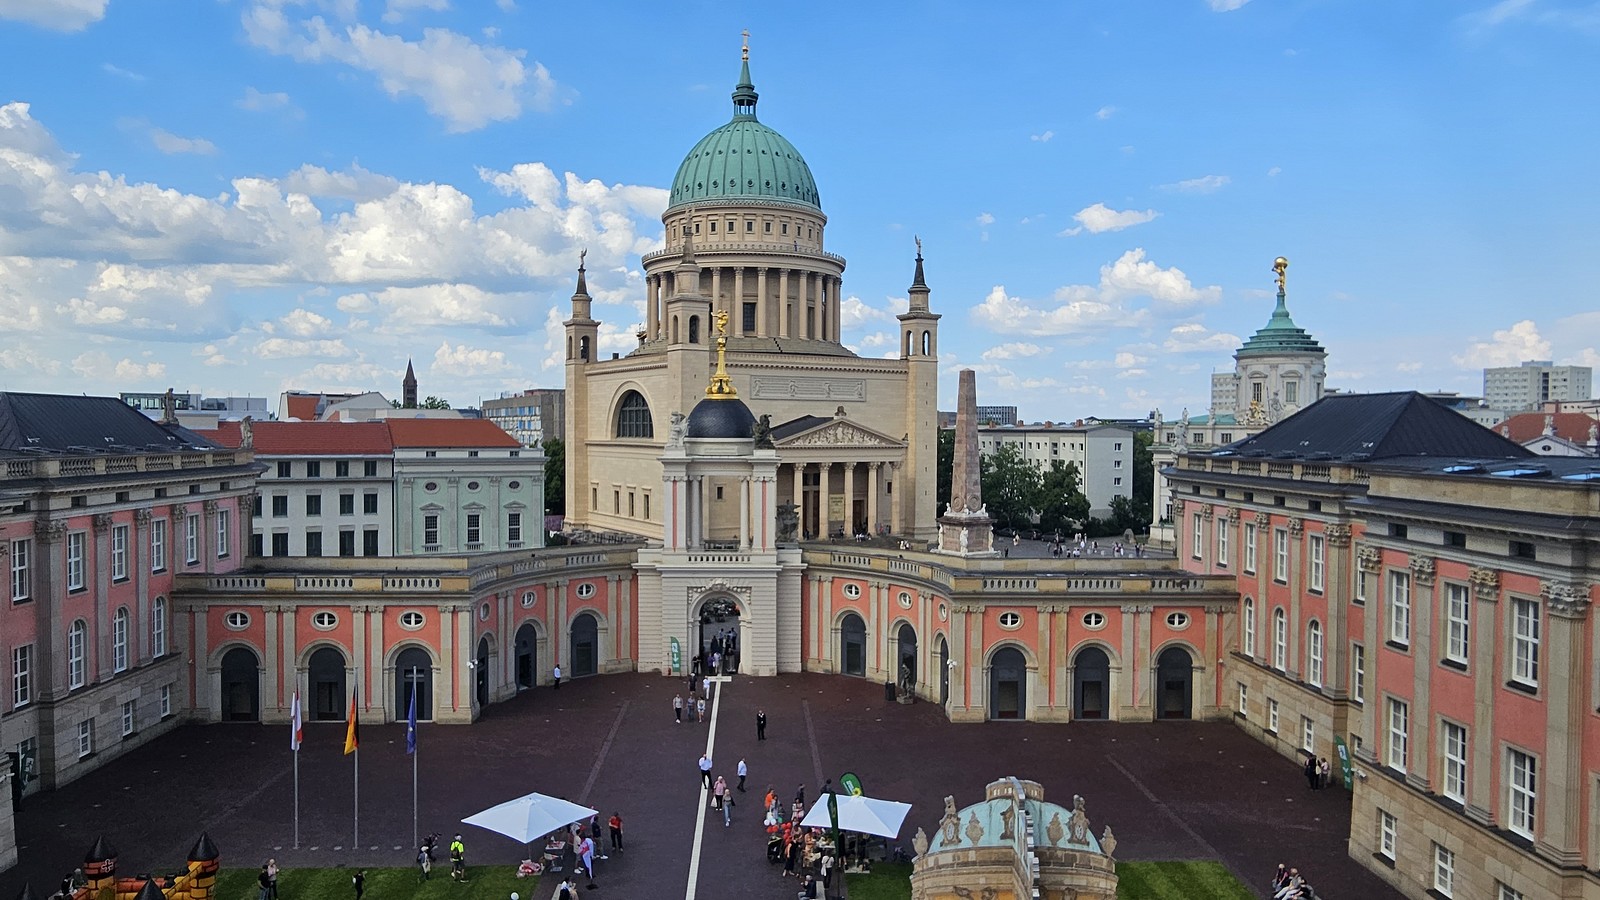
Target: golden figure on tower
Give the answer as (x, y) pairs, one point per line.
(721, 386)
(1281, 266)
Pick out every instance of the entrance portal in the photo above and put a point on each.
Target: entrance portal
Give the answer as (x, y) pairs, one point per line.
(1091, 684)
(1175, 676)
(1008, 690)
(907, 641)
(944, 671)
(853, 646)
(718, 631)
(329, 696)
(480, 686)
(585, 645)
(241, 686)
(413, 672)
(527, 656)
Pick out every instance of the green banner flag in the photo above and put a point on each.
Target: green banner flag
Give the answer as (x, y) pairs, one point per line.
(850, 783)
(1346, 764)
(677, 657)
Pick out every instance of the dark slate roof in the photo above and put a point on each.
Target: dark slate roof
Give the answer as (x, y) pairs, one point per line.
(716, 417)
(795, 426)
(61, 423)
(1359, 427)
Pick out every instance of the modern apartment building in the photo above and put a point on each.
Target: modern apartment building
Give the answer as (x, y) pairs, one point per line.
(1102, 453)
(531, 416)
(1526, 387)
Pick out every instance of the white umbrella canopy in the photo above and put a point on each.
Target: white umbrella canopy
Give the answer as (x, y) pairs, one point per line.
(864, 815)
(530, 818)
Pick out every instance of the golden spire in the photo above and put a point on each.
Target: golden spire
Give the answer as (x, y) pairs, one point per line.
(1281, 266)
(721, 386)
(744, 53)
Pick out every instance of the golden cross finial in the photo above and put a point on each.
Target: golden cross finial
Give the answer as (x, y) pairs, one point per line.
(744, 53)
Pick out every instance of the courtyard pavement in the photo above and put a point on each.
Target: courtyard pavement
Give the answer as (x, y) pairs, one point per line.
(1169, 790)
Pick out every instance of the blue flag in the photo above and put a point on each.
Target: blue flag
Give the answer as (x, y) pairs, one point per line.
(411, 723)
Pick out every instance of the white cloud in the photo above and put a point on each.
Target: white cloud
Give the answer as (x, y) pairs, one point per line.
(1408, 367)
(1017, 350)
(1082, 309)
(423, 307)
(1226, 5)
(461, 360)
(397, 10)
(985, 219)
(55, 15)
(853, 313)
(268, 101)
(466, 84)
(97, 365)
(304, 323)
(1274, 172)
(1105, 112)
(287, 348)
(1043, 138)
(1126, 360)
(1205, 184)
(354, 183)
(1100, 218)
(120, 72)
(170, 143)
(1193, 337)
(1507, 347)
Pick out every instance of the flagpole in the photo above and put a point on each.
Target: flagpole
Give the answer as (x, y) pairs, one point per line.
(411, 745)
(357, 817)
(297, 799)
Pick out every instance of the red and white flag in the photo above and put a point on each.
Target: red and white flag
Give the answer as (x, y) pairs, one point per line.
(294, 723)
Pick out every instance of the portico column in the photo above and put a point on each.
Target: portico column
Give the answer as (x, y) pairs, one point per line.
(850, 498)
(652, 311)
(872, 497)
(762, 308)
(783, 303)
(744, 513)
(803, 303)
(894, 505)
(737, 301)
(833, 309)
(826, 470)
(797, 489)
(1480, 787)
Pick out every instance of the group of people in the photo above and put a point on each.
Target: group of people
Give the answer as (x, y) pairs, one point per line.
(1319, 772)
(720, 655)
(803, 851)
(1288, 884)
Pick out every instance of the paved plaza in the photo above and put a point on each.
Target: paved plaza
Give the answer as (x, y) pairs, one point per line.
(1170, 790)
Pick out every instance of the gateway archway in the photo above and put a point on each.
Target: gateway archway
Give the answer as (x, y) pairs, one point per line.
(413, 673)
(1008, 685)
(527, 656)
(1175, 684)
(241, 686)
(718, 627)
(1091, 684)
(330, 698)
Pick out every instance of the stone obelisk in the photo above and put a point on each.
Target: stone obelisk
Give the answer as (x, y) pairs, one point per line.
(965, 529)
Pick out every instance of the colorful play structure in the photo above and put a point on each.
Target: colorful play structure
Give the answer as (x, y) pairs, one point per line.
(99, 879)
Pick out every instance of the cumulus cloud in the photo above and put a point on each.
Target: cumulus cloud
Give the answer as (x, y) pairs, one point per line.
(1105, 112)
(466, 84)
(1225, 5)
(268, 101)
(1016, 350)
(1507, 347)
(1126, 360)
(354, 183)
(1205, 184)
(1043, 138)
(985, 219)
(55, 15)
(397, 10)
(120, 72)
(461, 360)
(1101, 218)
(853, 313)
(1193, 337)
(290, 348)
(304, 323)
(99, 366)
(1080, 309)
(170, 143)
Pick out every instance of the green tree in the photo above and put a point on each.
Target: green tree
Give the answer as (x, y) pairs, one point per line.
(431, 402)
(944, 465)
(1125, 516)
(1010, 486)
(555, 477)
(1062, 505)
(1144, 479)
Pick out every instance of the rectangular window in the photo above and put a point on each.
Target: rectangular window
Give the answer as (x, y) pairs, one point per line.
(369, 542)
(1280, 556)
(313, 504)
(21, 676)
(119, 641)
(594, 498)
(191, 540)
(1249, 627)
(158, 627)
(158, 545)
(1222, 543)
(283, 468)
(347, 542)
(280, 543)
(1525, 641)
(1387, 826)
(166, 700)
(1455, 761)
(514, 527)
(1291, 392)
(77, 544)
(119, 553)
(474, 528)
(347, 504)
(85, 738)
(1504, 892)
(1444, 871)
(77, 663)
(1360, 598)
(314, 542)
(313, 468)
(1400, 608)
(369, 503)
(1196, 546)
(1399, 733)
(1272, 715)
(255, 506)
(21, 578)
(224, 532)
(369, 468)
(255, 544)
(341, 468)
(1244, 699)
(1523, 787)
(280, 506)
(129, 717)
(1280, 640)
(1308, 733)
(1358, 673)
(1457, 613)
(1318, 573)
(1314, 654)
(430, 530)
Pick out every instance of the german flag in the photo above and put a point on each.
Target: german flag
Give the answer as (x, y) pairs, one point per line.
(350, 740)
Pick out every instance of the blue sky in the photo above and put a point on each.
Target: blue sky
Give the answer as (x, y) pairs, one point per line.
(242, 197)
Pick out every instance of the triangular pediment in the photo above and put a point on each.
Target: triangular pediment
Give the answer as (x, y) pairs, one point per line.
(839, 433)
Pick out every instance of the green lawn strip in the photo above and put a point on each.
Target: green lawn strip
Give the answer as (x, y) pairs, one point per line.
(483, 883)
(888, 881)
(1184, 880)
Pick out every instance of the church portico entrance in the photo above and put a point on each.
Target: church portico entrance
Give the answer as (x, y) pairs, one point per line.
(717, 629)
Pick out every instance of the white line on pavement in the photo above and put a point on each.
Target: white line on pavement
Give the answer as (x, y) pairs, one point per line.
(700, 802)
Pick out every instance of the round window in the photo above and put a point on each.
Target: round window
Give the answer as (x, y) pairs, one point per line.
(1010, 620)
(472, 485)
(324, 620)
(431, 486)
(529, 598)
(483, 613)
(1178, 620)
(904, 600)
(515, 485)
(944, 612)
(411, 619)
(586, 590)
(853, 591)
(237, 620)
(1094, 620)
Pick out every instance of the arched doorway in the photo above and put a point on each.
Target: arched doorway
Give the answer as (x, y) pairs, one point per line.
(944, 671)
(325, 673)
(853, 646)
(241, 686)
(585, 645)
(719, 631)
(480, 684)
(906, 641)
(413, 672)
(1174, 680)
(1091, 684)
(527, 656)
(1008, 690)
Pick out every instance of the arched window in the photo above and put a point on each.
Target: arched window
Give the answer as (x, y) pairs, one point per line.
(583, 348)
(1314, 653)
(1280, 639)
(1249, 627)
(633, 417)
(158, 627)
(119, 640)
(927, 343)
(77, 647)
(694, 329)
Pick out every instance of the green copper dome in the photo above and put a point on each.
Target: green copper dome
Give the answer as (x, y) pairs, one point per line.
(1280, 335)
(744, 160)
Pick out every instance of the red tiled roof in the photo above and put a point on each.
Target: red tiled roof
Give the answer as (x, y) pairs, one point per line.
(303, 407)
(309, 438)
(449, 433)
(1524, 427)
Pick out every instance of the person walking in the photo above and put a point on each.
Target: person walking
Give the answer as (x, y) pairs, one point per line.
(586, 853)
(424, 863)
(556, 672)
(743, 771)
(677, 709)
(615, 824)
(705, 770)
(700, 709)
(705, 686)
(359, 882)
(272, 879)
(265, 884)
(1311, 772)
(727, 808)
(458, 860)
(719, 791)
(1327, 772)
(761, 724)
